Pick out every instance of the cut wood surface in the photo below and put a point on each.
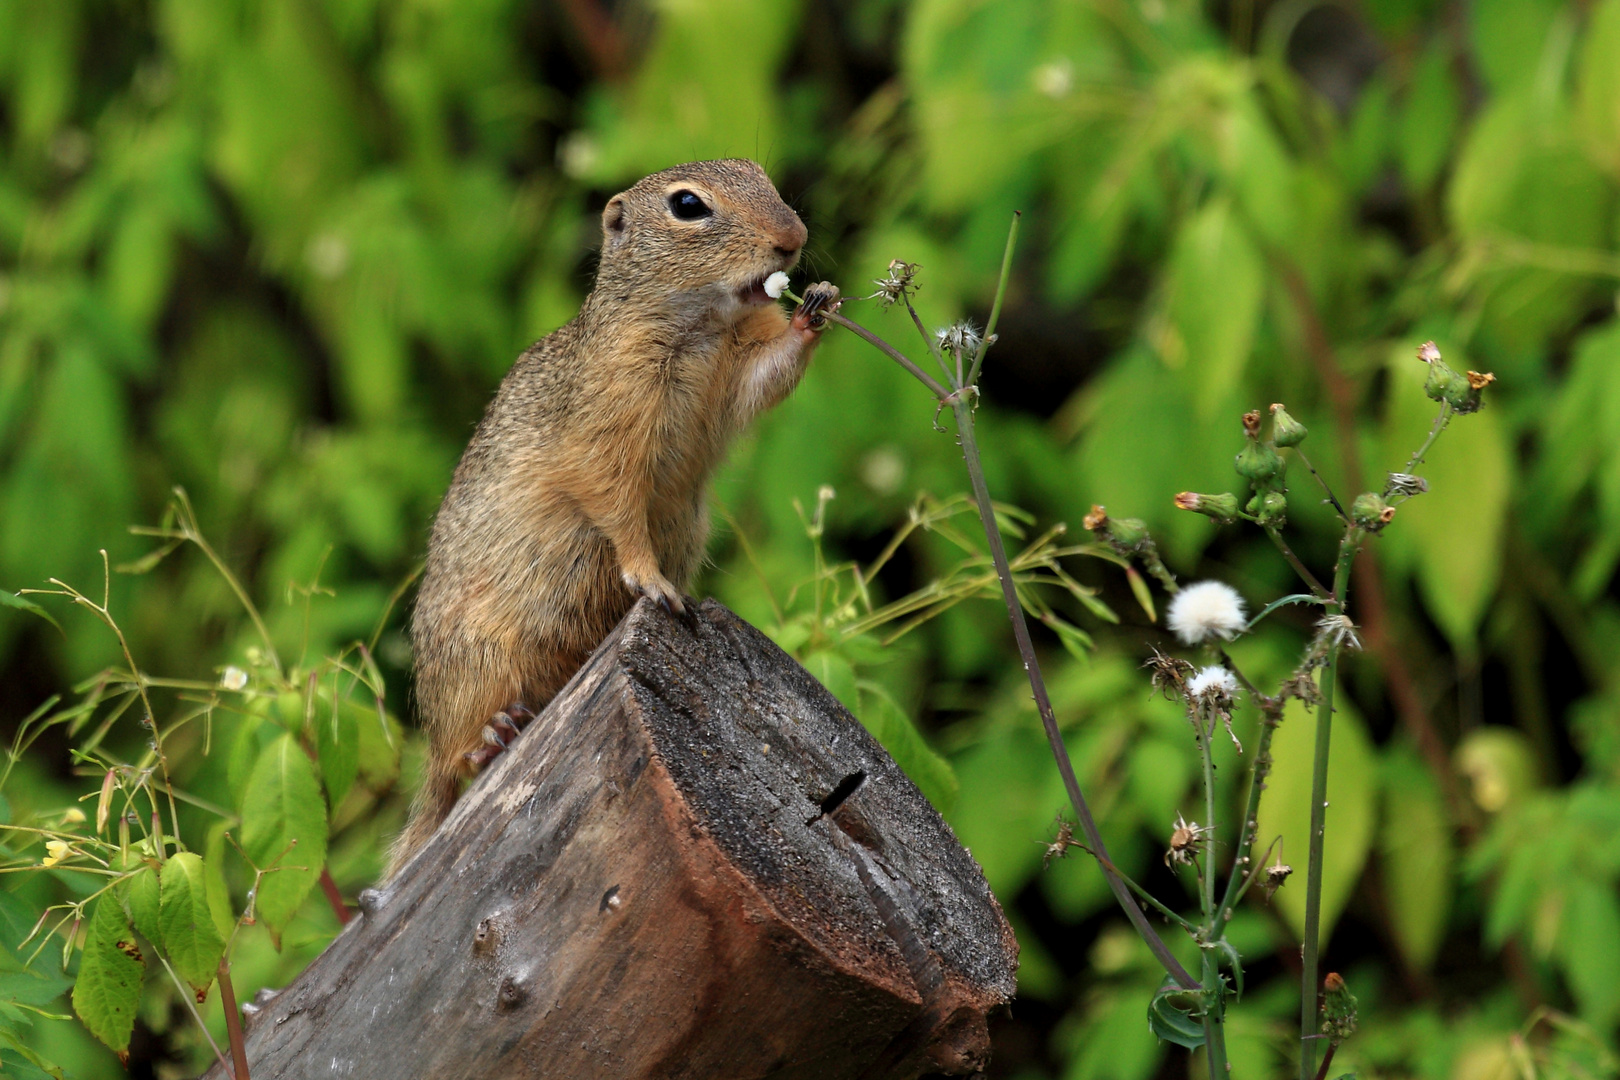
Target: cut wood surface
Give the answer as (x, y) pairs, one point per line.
(694, 863)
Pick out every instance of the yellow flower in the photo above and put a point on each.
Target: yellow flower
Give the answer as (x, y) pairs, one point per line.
(56, 851)
(72, 816)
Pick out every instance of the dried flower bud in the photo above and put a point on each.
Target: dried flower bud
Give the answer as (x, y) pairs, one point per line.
(1251, 424)
(1371, 512)
(897, 283)
(1060, 845)
(1275, 876)
(1465, 398)
(1168, 674)
(1285, 430)
(1096, 519)
(1407, 484)
(961, 339)
(1187, 838)
(1337, 631)
(1223, 508)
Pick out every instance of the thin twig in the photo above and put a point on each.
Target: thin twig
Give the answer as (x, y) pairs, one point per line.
(933, 384)
(995, 308)
(1332, 498)
(1300, 568)
(185, 996)
(233, 1020)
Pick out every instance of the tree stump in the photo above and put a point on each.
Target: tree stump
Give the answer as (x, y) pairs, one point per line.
(695, 863)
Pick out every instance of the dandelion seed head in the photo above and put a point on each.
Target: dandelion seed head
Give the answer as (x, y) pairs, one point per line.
(1215, 680)
(776, 285)
(1205, 610)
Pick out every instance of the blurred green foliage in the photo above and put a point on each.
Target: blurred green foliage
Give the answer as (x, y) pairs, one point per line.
(279, 252)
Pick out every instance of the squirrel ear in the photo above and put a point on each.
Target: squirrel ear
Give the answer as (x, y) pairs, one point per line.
(613, 218)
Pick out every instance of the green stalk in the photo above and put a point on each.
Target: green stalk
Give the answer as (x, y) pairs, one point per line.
(1241, 870)
(962, 410)
(1319, 775)
(1214, 1025)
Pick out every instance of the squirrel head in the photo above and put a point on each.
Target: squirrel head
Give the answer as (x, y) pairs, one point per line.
(708, 231)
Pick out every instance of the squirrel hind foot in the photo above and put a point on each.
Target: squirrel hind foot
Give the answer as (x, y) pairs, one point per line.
(499, 733)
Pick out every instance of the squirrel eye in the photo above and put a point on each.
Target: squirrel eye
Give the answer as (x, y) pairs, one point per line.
(688, 207)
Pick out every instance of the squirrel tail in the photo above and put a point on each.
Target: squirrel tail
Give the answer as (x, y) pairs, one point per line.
(438, 794)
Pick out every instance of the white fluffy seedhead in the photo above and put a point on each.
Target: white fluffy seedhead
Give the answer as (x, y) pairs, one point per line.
(1206, 610)
(1213, 680)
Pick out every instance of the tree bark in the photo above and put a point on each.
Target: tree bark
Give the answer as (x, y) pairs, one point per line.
(695, 863)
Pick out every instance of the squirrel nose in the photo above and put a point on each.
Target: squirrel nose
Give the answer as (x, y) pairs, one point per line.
(786, 252)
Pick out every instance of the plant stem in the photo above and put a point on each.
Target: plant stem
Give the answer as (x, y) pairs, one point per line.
(1300, 568)
(1319, 778)
(933, 384)
(995, 308)
(1439, 425)
(963, 412)
(1214, 1026)
(1270, 719)
(233, 1020)
(1332, 498)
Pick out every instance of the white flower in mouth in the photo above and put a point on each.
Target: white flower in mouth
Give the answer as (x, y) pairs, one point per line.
(776, 285)
(1205, 610)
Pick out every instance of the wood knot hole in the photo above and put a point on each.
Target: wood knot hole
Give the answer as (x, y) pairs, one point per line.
(511, 993)
(611, 901)
(835, 798)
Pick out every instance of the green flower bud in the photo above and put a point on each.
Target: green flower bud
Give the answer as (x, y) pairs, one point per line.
(1338, 1009)
(1257, 462)
(1285, 430)
(1371, 512)
(1127, 532)
(1272, 511)
(1223, 508)
(1442, 382)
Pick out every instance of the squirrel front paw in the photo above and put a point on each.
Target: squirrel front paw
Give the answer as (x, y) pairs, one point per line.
(656, 586)
(819, 300)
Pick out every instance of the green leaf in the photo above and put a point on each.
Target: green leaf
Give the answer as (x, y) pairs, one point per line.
(1414, 843)
(190, 939)
(40, 1067)
(1352, 797)
(142, 897)
(1508, 36)
(284, 826)
(837, 675)
(1216, 285)
(1598, 87)
(108, 990)
(1589, 949)
(1170, 1016)
(12, 600)
(1429, 118)
(337, 740)
(891, 727)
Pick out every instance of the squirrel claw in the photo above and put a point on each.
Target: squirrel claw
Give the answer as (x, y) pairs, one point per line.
(820, 300)
(659, 590)
(499, 733)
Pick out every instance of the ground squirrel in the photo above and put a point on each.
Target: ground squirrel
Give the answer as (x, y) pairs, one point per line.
(584, 484)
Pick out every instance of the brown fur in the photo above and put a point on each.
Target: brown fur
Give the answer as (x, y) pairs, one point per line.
(584, 484)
